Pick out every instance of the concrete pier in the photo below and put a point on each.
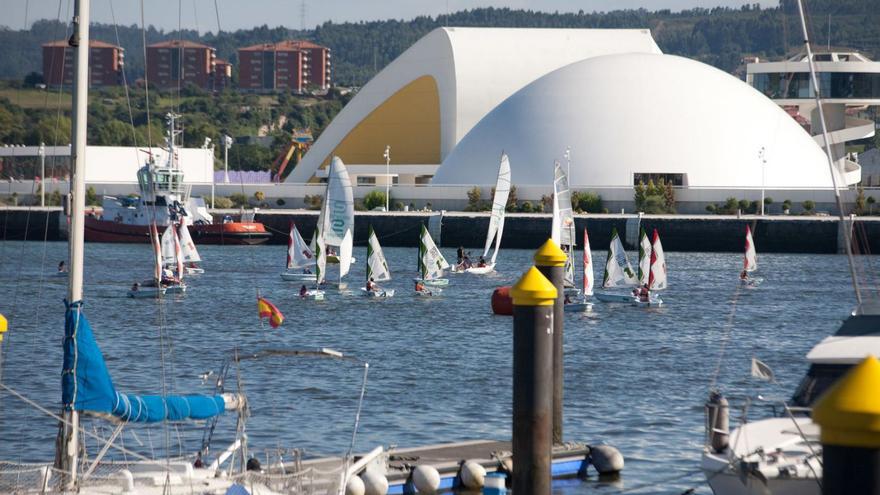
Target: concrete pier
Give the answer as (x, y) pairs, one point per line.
(706, 233)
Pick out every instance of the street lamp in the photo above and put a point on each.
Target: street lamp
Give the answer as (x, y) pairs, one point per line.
(568, 164)
(207, 146)
(227, 143)
(762, 156)
(42, 174)
(387, 156)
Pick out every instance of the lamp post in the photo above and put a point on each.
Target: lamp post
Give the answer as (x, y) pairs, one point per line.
(387, 156)
(227, 143)
(42, 174)
(568, 164)
(763, 158)
(208, 146)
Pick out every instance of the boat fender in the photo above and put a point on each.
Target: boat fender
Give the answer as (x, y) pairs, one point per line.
(472, 475)
(606, 459)
(426, 479)
(496, 484)
(502, 304)
(718, 421)
(126, 481)
(355, 486)
(374, 483)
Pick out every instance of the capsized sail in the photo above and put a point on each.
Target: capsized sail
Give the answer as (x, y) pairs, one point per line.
(187, 246)
(338, 212)
(377, 266)
(86, 384)
(431, 260)
(658, 265)
(644, 257)
(750, 263)
(589, 278)
(618, 271)
(499, 204)
(299, 255)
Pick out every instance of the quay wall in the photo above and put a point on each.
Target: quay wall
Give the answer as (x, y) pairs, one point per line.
(694, 233)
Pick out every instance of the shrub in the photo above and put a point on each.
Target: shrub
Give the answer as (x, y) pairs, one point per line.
(870, 202)
(808, 205)
(412, 207)
(398, 206)
(474, 196)
(768, 201)
(711, 208)
(743, 205)
(239, 200)
(586, 201)
(669, 197)
(91, 197)
(786, 204)
(547, 202)
(221, 202)
(374, 199)
(54, 199)
(654, 204)
(511, 198)
(259, 196)
(639, 195)
(526, 207)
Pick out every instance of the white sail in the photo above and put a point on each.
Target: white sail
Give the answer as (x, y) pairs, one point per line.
(187, 246)
(563, 215)
(432, 263)
(345, 250)
(377, 266)
(168, 257)
(320, 258)
(618, 272)
(644, 258)
(338, 211)
(299, 254)
(178, 256)
(658, 265)
(157, 251)
(589, 278)
(499, 204)
(750, 263)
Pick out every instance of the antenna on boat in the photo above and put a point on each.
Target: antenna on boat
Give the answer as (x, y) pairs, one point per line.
(847, 231)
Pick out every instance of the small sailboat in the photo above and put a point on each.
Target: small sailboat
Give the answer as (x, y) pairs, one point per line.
(151, 288)
(563, 233)
(750, 262)
(191, 257)
(316, 293)
(172, 257)
(377, 269)
(300, 258)
(584, 304)
(496, 222)
(431, 265)
(336, 219)
(618, 274)
(655, 272)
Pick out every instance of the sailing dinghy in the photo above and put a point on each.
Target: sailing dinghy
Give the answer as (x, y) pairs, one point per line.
(431, 262)
(496, 221)
(655, 272)
(188, 249)
(300, 258)
(172, 258)
(316, 293)
(750, 262)
(563, 233)
(151, 288)
(584, 304)
(618, 274)
(377, 269)
(337, 217)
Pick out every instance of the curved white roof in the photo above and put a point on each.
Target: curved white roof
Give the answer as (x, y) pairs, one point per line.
(475, 69)
(640, 113)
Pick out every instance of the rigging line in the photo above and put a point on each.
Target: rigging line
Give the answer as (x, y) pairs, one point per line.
(728, 327)
(217, 11)
(134, 142)
(146, 82)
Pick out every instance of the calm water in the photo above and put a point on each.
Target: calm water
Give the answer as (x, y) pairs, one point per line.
(440, 369)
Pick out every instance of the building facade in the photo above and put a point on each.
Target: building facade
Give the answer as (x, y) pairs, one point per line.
(284, 66)
(222, 75)
(177, 63)
(106, 63)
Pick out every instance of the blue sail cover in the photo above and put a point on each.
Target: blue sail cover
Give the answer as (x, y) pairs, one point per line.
(86, 383)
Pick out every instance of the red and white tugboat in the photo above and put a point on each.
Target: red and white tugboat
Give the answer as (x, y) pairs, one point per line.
(128, 219)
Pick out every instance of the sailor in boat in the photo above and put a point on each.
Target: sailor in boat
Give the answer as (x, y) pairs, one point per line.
(168, 278)
(62, 268)
(303, 291)
(371, 285)
(460, 254)
(644, 293)
(420, 287)
(135, 287)
(307, 271)
(567, 299)
(744, 276)
(482, 262)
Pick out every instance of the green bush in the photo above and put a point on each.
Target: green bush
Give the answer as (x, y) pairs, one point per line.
(222, 203)
(374, 199)
(654, 204)
(54, 199)
(526, 207)
(711, 208)
(259, 196)
(808, 205)
(239, 200)
(786, 205)
(398, 206)
(474, 196)
(743, 205)
(586, 202)
(92, 197)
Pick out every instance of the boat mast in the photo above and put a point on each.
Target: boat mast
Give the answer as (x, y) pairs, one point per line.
(847, 232)
(68, 455)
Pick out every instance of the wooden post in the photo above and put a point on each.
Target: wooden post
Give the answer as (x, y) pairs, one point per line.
(533, 298)
(550, 261)
(849, 415)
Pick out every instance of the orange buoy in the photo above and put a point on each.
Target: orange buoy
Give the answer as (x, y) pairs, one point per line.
(502, 304)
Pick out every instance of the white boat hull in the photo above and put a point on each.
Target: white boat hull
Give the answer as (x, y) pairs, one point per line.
(191, 270)
(481, 270)
(175, 289)
(314, 295)
(381, 293)
(650, 303)
(751, 283)
(434, 282)
(615, 297)
(298, 277)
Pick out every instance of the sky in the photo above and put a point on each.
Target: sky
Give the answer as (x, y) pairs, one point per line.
(243, 14)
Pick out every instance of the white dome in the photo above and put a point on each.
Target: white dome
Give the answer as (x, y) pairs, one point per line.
(639, 113)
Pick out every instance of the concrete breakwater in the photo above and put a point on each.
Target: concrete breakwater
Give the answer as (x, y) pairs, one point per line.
(709, 233)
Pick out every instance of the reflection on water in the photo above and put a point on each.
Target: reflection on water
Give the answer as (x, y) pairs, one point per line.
(439, 367)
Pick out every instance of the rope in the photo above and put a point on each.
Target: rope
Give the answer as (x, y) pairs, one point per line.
(728, 326)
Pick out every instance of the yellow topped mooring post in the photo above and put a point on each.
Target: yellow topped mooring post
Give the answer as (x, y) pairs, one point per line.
(849, 416)
(550, 261)
(533, 298)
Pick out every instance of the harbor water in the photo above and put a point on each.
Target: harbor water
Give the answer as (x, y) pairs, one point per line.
(440, 368)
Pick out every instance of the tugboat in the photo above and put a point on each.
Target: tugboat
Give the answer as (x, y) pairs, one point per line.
(128, 219)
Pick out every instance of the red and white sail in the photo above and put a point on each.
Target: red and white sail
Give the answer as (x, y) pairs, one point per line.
(589, 278)
(299, 254)
(657, 278)
(178, 256)
(157, 251)
(750, 262)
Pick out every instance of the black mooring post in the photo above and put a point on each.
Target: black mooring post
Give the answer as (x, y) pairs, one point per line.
(550, 261)
(533, 297)
(849, 417)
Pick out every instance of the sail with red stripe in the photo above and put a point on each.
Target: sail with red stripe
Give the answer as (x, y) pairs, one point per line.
(657, 278)
(750, 261)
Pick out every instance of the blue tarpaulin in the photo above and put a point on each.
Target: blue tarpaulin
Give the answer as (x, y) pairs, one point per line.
(86, 383)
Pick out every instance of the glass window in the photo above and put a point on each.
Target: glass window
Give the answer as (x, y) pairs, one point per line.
(366, 181)
(644, 178)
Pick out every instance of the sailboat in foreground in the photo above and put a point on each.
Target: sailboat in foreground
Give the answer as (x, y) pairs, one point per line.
(431, 266)
(496, 222)
(300, 258)
(377, 269)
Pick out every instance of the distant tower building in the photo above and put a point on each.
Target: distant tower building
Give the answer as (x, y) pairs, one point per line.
(222, 74)
(106, 63)
(177, 62)
(284, 66)
(848, 81)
